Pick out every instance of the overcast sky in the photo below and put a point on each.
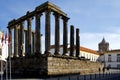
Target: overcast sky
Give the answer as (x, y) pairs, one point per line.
(95, 18)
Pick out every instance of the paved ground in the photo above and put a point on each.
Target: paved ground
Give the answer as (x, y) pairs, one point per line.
(109, 75)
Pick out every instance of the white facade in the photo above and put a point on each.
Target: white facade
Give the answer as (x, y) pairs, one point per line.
(84, 53)
(89, 55)
(111, 59)
(3, 47)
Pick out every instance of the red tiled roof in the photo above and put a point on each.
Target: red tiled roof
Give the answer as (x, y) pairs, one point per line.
(81, 48)
(88, 50)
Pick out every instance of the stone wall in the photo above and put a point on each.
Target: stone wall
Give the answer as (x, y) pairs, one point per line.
(52, 66)
(29, 66)
(65, 65)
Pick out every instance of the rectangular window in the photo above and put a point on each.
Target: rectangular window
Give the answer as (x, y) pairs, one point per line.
(118, 57)
(118, 65)
(109, 58)
(109, 66)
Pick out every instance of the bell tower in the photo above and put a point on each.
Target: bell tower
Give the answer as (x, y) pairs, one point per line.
(103, 46)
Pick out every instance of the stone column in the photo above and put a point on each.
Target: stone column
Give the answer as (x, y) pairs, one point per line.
(65, 34)
(19, 52)
(22, 39)
(77, 43)
(26, 43)
(38, 33)
(10, 43)
(16, 41)
(57, 32)
(33, 42)
(47, 31)
(29, 26)
(71, 40)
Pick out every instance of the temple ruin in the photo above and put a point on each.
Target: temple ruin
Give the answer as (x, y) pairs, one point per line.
(32, 60)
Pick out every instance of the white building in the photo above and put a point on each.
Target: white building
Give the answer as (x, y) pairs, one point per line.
(110, 58)
(90, 54)
(3, 51)
(85, 53)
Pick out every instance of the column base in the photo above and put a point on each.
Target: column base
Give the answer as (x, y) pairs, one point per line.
(47, 53)
(72, 56)
(16, 56)
(57, 53)
(38, 54)
(65, 54)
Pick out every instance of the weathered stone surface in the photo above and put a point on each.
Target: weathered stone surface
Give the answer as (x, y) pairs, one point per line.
(29, 66)
(26, 43)
(60, 66)
(29, 27)
(38, 33)
(77, 43)
(50, 66)
(57, 33)
(47, 31)
(33, 42)
(71, 40)
(46, 64)
(10, 43)
(16, 41)
(65, 34)
(21, 39)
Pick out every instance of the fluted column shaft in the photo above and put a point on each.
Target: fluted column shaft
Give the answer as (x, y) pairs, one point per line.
(77, 43)
(71, 40)
(57, 32)
(22, 39)
(38, 33)
(19, 49)
(47, 31)
(15, 41)
(33, 42)
(65, 34)
(26, 42)
(29, 25)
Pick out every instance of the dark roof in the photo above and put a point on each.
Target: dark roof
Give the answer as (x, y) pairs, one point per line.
(115, 50)
(103, 41)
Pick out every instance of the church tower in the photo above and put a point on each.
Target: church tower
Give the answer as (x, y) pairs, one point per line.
(103, 46)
